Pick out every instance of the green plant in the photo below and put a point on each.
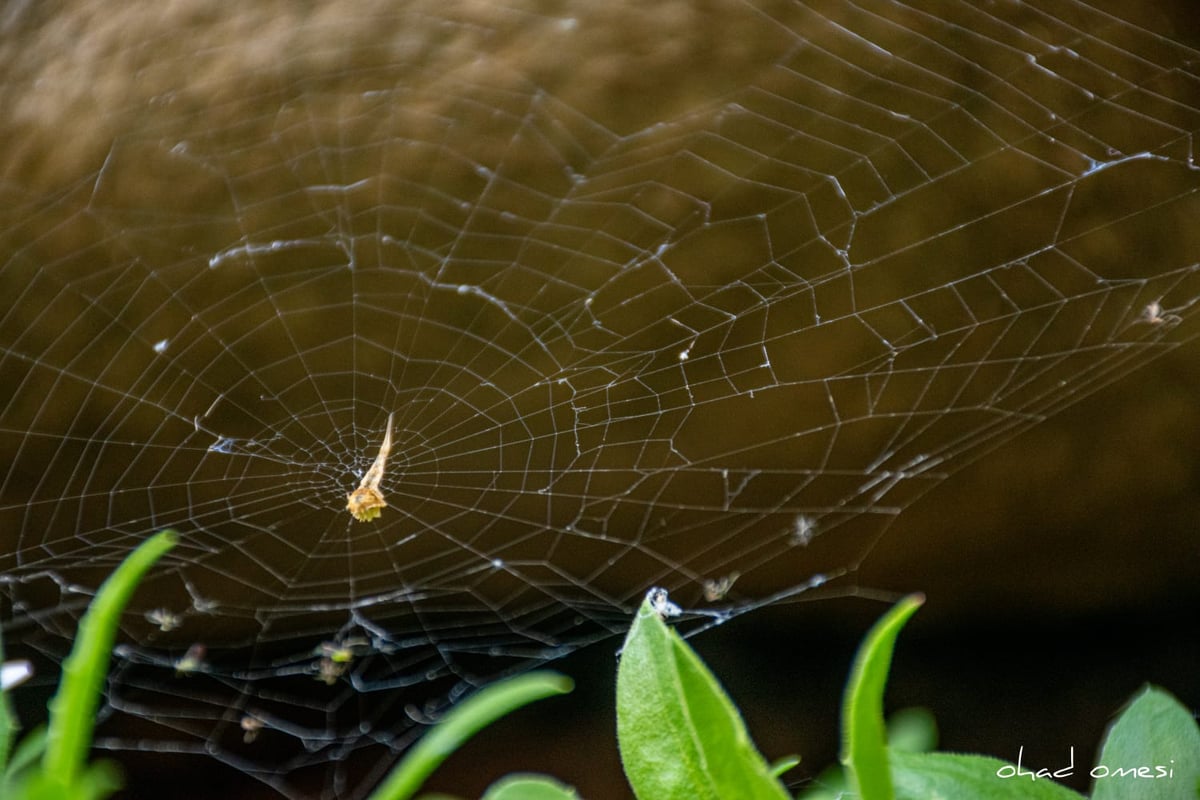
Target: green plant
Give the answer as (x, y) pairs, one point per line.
(52, 762)
(679, 733)
(681, 736)
(467, 719)
(1153, 728)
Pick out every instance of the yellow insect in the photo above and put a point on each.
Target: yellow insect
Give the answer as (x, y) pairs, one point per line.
(192, 661)
(164, 619)
(366, 502)
(338, 656)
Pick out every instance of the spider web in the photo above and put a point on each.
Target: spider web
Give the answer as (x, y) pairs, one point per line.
(657, 297)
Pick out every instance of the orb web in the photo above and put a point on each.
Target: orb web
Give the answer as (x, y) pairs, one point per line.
(654, 297)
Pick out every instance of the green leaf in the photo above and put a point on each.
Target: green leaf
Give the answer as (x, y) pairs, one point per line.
(463, 722)
(782, 765)
(922, 776)
(73, 708)
(92, 782)
(680, 736)
(1152, 752)
(912, 730)
(28, 752)
(529, 787)
(8, 720)
(865, 737)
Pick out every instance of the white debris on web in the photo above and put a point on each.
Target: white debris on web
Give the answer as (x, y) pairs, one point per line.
(1155, 314)
(804, 528)
(715, 589)
(14, 673)
(661, 604)
(164, 618)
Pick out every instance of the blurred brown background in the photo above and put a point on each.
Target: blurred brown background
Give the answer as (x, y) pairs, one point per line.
(1060, 569)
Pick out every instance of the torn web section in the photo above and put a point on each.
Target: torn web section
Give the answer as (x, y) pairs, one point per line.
(715, 348)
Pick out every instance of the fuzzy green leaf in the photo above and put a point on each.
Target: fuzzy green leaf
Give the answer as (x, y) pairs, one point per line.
(463, 722)
(529, 787)
(1152, 752)
(93, 781)
(8, 720)
(782, 765)
(864, 744)
(922, 776)
(680, 736)
(73, 708)
(27, 753)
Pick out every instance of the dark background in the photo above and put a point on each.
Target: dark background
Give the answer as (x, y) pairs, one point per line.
(1060, 569)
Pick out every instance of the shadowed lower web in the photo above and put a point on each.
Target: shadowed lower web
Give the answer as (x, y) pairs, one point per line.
(706, 318)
